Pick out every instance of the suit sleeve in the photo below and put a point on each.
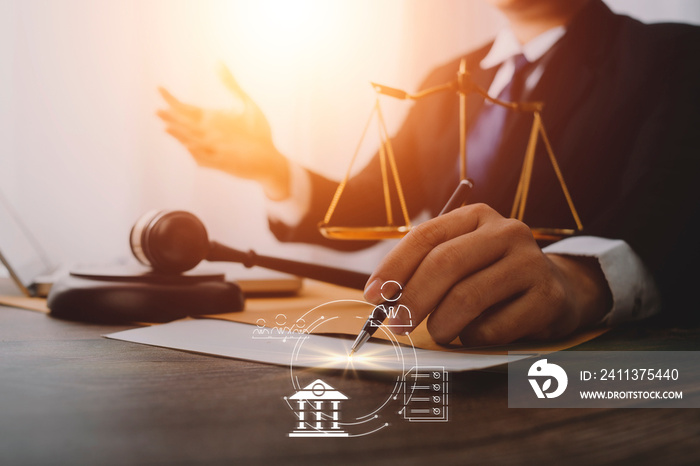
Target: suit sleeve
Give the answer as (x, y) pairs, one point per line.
(658, 211)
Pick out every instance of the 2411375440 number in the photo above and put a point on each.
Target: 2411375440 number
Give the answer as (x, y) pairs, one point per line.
(638, 374)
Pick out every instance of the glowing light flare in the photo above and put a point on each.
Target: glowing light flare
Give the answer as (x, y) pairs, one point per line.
(307, 64)
(380, 358)
(291, 35)
(289, 28)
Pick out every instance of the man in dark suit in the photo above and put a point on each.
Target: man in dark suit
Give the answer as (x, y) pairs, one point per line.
(620, 102)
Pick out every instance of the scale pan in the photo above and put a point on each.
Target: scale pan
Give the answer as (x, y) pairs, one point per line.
(393, 232)
(552, 234)
(364, 233)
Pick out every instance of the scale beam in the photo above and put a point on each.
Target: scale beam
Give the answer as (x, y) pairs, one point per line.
(462, 85)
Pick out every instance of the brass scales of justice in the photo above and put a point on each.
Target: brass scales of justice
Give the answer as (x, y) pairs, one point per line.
(462, 85)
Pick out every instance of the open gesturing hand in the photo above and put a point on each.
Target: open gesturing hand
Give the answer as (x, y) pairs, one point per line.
(237, 141)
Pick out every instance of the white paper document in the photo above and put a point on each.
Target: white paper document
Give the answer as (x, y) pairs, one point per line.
(254, 343)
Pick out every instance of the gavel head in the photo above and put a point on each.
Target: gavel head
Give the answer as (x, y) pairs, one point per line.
(169, 241)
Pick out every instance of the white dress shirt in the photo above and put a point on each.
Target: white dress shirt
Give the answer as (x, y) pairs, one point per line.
(634, 292)
(505, 47)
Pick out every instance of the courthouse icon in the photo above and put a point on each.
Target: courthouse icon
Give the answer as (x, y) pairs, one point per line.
(318, 411)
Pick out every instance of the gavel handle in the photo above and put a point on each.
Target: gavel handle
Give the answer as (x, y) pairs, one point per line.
(343, 277)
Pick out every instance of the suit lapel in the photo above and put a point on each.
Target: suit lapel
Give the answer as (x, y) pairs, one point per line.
(480, 78)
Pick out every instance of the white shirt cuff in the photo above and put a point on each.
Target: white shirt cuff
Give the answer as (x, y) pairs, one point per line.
(634, 292)
(290, 211)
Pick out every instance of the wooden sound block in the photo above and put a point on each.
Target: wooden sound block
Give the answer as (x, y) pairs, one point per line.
(125, 295)
(140, 273)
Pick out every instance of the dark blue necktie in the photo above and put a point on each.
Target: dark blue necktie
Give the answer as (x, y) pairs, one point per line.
(487, 131)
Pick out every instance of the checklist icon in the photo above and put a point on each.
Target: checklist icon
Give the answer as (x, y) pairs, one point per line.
(426, 394)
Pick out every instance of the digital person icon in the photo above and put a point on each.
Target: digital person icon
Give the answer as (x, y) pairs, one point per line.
(394, 316)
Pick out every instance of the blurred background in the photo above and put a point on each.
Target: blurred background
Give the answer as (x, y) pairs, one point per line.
(83, 154)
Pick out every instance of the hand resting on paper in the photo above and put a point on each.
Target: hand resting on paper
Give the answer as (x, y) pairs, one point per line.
(237, 141)
(481, 277)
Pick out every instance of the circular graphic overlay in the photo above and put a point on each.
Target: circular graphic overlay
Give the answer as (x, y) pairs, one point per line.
(310, 362)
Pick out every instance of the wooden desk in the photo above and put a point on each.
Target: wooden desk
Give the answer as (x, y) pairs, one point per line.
(68, 396)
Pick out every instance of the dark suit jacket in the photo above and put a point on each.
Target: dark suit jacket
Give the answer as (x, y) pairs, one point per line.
(622, 107)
